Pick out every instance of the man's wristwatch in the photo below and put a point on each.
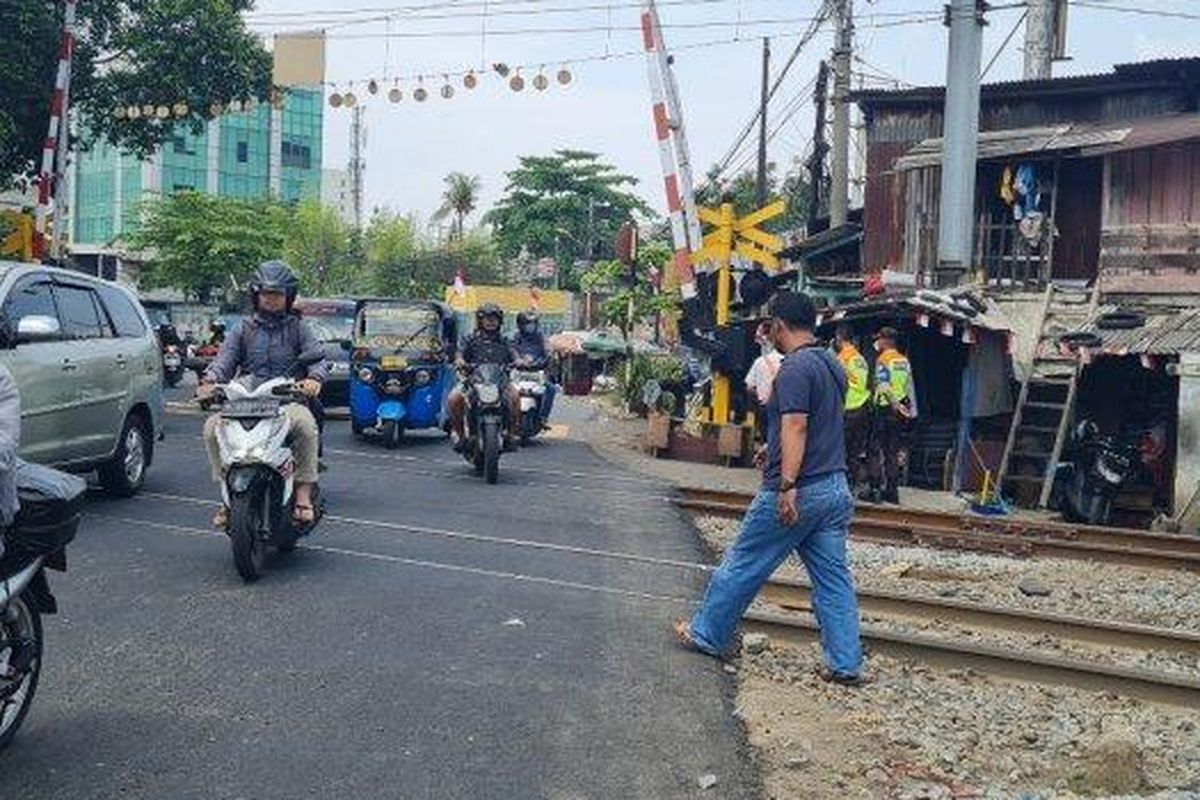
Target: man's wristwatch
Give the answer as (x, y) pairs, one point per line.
(787, 485)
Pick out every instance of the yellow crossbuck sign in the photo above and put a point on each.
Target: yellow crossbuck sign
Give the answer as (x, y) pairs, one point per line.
(741, 236)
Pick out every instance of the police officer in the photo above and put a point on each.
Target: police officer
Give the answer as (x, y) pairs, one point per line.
(858, 412)
(894, 409)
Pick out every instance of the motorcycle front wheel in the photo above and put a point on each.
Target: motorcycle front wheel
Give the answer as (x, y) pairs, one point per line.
(491, 450)
(20, 664)
(245, 523)
(392, 434)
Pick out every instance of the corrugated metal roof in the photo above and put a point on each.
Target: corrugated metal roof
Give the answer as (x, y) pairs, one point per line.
(1156, 71)
(1020, 141)
(1151, 132)
(1165, 333)
(939, 306)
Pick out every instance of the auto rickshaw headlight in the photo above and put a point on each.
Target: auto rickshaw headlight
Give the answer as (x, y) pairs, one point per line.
(422, 377)
(366, 374)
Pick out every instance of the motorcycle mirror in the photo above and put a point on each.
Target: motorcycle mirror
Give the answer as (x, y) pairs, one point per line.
(347, 345)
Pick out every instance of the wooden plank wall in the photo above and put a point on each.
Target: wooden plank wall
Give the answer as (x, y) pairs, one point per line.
(1151, 230)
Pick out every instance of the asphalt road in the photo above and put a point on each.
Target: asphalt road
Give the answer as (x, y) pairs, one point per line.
(384, 658)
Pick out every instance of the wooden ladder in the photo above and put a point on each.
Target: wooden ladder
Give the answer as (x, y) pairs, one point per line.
(1047, 398)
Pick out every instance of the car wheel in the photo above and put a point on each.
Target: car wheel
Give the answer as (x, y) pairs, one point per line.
(126, 472)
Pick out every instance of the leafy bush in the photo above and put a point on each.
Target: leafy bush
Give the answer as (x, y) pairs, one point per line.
(643, 369)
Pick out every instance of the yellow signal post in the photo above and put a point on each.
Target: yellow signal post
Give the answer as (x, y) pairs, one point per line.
(742, 236)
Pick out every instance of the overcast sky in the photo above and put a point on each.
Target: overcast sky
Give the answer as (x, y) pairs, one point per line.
(411, 146)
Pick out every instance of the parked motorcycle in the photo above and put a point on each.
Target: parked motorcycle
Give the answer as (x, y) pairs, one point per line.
(36, 541)
(531, 384)
(257, 465)
(1091, 473)
(173, 368)
(486, 415)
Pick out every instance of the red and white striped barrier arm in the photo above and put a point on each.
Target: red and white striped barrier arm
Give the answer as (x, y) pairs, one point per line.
(47, 178)
(657, 66)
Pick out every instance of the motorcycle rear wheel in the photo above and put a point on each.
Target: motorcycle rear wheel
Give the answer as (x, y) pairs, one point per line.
(491, 451)
(17, 696)
(245, 522)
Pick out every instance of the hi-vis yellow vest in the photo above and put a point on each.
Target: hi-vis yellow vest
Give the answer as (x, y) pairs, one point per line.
(855, 366)
(893, 379)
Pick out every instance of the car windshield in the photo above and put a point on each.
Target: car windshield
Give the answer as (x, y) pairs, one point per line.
(400, 328)
(330, 327)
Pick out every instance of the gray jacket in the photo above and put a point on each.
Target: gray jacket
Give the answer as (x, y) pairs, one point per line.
(266, 346)
(10, 439)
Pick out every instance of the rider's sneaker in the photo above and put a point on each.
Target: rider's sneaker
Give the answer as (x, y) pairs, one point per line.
(511, 445)
(458, 443)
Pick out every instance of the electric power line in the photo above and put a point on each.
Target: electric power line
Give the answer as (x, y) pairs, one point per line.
(1003, 45)
(1146, 12)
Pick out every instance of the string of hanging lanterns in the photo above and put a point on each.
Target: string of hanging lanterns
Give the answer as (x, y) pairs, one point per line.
(512, 76)
(162, 112)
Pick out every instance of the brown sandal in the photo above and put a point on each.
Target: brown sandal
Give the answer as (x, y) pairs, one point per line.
(683, 634)
(299, 518)
(220, 520)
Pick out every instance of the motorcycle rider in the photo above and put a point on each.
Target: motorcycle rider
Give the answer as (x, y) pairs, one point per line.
(265, 347)
(486, 345)
(529, 345)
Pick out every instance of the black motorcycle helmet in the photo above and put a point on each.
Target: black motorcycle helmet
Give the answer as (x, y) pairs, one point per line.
(489, 310)
(274, 276)
(527, 322)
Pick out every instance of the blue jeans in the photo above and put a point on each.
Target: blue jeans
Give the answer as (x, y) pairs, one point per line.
(547, 404)
(819, 538)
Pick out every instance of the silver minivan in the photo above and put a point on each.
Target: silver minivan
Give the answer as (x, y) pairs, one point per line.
(88, 366)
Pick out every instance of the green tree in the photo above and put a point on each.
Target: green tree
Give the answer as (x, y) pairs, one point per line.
(630, 294)
(129, 52)
(391, 247)
(200, 244)
(458, 200)
(402, 264)
(317, 245)
(567, 206)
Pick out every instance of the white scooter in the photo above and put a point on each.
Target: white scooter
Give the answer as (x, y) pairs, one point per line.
(258, 469)
(531, 385)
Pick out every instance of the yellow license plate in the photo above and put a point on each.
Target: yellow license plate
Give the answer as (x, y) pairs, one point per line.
(393, 362)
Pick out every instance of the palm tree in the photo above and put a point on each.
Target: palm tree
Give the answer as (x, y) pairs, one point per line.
(459, 199)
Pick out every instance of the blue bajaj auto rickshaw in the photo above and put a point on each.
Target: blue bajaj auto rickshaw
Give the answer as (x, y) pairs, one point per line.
(401, 367)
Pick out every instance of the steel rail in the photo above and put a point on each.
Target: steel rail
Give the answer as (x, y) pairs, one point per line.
(1004, 663)
(795, 595)
(896, 525)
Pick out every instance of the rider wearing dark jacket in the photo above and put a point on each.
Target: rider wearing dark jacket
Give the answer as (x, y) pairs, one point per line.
(486, 345)
(529, 344)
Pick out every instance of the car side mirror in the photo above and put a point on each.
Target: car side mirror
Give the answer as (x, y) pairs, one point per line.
(37, 328)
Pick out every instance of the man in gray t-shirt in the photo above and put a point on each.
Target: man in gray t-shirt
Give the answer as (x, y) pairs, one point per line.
(804, 505)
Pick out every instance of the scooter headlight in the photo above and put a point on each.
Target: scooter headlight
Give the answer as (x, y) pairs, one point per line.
(422, 377)
(366, 374)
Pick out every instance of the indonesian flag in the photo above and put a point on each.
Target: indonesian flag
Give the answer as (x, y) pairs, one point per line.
(535, 297)
(1148, 361)
(947, 327)
(968, 335)
(460, 283)
(923, 320)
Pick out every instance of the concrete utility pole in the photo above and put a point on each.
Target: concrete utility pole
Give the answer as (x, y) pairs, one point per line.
(816, 161)
(356, 165)
(762, 124)
(1040, 34)
(839, 168)
(956, 211)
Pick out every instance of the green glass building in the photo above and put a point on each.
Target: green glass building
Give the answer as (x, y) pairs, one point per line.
(264, 152)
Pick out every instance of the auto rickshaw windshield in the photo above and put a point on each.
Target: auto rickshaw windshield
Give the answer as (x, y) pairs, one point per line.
(407, 329)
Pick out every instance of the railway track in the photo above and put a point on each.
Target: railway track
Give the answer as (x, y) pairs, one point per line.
(1005, 536)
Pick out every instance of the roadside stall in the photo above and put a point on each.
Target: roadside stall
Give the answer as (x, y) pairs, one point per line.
(959, 347)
